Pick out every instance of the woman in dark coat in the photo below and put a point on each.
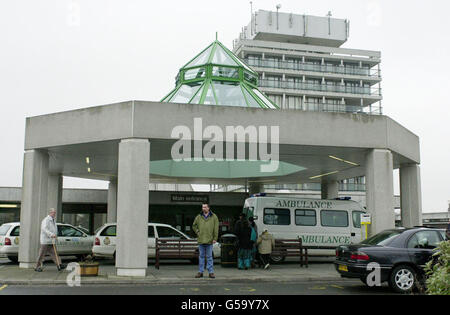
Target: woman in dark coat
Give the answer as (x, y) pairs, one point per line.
(244, 232)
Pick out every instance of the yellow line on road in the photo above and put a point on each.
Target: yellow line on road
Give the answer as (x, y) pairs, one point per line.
(318, 288)
(3, 287)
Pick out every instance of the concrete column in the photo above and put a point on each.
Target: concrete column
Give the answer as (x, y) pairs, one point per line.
(254, 188)
(410, 195)
(34, 205)
(112, 202)
(55, 190)
(330, 190)
(132, 207)
(380, 190)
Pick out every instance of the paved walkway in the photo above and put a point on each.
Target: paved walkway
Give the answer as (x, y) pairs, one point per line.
(173, 273)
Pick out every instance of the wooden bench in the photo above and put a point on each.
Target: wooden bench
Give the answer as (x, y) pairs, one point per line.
(291, 248)
(175, 248)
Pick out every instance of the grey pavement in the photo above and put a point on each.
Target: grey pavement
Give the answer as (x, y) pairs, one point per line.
(172, 272)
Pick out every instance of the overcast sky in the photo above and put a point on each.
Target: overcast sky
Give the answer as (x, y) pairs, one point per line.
(59, 55)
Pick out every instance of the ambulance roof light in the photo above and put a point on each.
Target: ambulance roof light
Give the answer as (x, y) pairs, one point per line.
(343, 198)
(258, 195)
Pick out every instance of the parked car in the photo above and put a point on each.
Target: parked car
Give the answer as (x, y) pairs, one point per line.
(400, 253)
(70, 241)
(105, 239)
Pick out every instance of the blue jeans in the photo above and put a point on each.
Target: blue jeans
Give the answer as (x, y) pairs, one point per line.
(205, 249)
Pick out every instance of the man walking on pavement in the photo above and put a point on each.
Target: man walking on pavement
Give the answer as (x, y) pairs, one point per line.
(206, 227)
(49, 233)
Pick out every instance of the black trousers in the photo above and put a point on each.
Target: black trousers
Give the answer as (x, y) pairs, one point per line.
(264, 259)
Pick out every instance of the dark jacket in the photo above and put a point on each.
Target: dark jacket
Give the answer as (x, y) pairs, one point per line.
(244, 232)
(237, 226)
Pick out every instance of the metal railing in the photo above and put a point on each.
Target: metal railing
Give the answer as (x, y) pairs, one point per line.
(316, 187)
(292, 85)
(299, 187)
(374, 109)
(313, 67)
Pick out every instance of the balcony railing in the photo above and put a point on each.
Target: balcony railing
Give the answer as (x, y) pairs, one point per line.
(295, 187)
(316, 187)
(289, 65)
(292, 85)
(374, 109)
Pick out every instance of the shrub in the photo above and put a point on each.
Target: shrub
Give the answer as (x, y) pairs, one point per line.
(438, 271)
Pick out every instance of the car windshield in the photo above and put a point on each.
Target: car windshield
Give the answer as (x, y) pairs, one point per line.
(4, 229)
(382, 238)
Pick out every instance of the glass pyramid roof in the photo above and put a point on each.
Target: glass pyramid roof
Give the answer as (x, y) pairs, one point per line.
(217, 77)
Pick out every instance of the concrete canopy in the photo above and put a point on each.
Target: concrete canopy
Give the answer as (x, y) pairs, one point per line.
(84, 143)
(132, 143)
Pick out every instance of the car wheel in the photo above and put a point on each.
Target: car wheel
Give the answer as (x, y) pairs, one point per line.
(402, 279)
(14, 259)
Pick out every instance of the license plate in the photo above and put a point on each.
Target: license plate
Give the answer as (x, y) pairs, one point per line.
(343, 268)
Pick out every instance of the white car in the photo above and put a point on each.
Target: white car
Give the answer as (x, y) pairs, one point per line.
(70, 241)
(105, 239)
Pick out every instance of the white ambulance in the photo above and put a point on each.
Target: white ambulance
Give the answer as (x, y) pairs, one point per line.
(321, 224)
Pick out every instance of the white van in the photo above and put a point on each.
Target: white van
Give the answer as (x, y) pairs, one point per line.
(321, 224)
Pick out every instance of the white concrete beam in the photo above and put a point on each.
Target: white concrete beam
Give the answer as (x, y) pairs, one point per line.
(380, 190)
(132, 207)
(410, 195)
(34, 205)
(254, 188)
(112, 202)
(55, 189)
(330, 190)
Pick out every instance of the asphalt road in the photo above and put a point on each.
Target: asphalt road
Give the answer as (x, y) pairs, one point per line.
(244, 288)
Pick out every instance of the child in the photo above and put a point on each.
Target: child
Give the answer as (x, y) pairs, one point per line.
(265, 244)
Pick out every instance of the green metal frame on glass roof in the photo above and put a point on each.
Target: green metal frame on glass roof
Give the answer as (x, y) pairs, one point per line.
(217, 77)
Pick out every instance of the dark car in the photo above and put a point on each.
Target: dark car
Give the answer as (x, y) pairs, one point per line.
(401, 255)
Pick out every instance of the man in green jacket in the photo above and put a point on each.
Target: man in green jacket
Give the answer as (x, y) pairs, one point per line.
(206, 226)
